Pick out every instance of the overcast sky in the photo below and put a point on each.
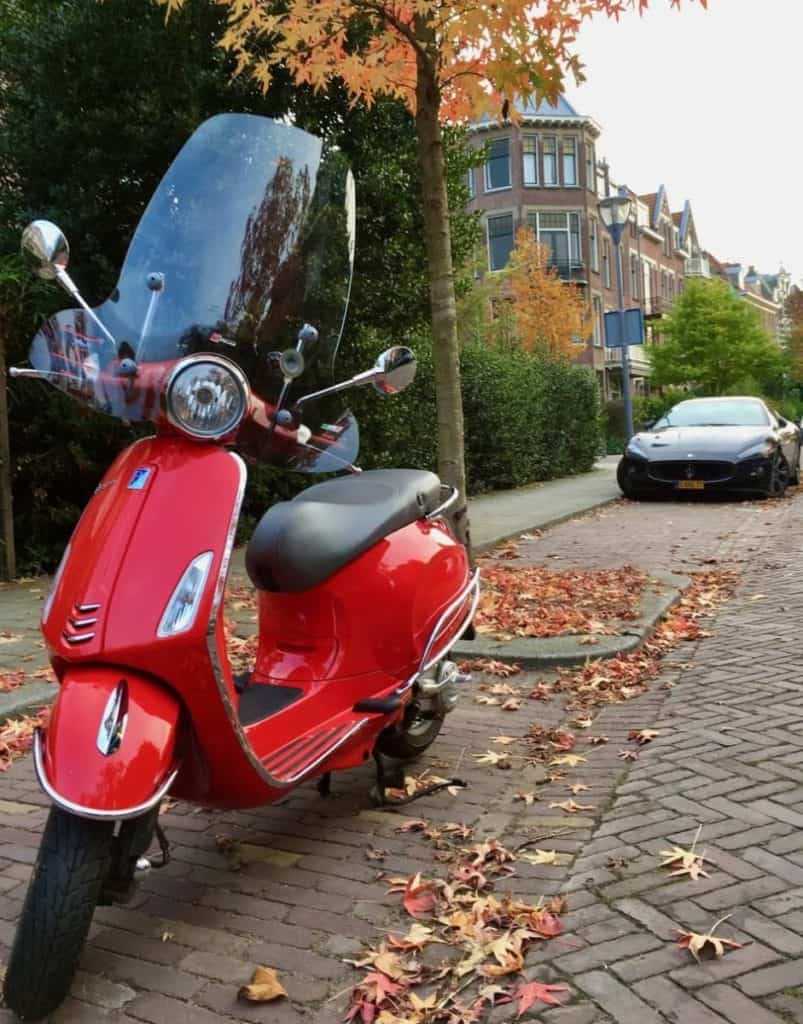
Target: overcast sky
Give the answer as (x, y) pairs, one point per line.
(709, 104)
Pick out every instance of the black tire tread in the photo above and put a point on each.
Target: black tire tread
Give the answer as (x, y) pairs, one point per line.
(399, 744)
(73, 859)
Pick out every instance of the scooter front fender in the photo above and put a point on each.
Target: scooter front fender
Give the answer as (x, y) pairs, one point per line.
(109, 751)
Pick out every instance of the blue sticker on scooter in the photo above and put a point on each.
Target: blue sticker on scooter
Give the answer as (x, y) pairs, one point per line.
(139, 479)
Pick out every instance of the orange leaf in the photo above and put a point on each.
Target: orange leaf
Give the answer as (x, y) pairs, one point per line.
(264, 987)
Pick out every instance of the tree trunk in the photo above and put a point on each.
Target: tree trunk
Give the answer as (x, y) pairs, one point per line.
(446, 352)
(6, 511)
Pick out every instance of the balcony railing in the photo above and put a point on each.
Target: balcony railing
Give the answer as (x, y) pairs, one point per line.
(655, 306)
(569, 270)
(698, 266)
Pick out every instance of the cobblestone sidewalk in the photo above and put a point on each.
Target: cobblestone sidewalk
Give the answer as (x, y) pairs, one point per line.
(729, 756)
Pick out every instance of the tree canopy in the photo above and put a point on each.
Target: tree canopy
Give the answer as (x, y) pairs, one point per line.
(713, 341)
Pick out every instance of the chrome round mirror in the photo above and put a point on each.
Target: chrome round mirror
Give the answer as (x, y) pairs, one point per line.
(291, 364)
(395, 370)
(46, 248)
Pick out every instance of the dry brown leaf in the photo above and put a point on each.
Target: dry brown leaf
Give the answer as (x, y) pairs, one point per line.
(264, 987)
(702, 943)
(571, 760)
(499, 760)
(528, 798)
(504, 740)
(579, 787)
(570, 807)
(628, 755)
(539, 856)
(642, 736)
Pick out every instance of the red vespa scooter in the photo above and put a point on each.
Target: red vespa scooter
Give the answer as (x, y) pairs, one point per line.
(363, 589)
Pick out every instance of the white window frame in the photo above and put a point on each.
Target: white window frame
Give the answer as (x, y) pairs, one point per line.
(598, 321)
(591, 164)
(499, 188)
(529, 137)
(593, 243)
(573, 152)
(554, 139)
(470, 183)
(497, 214)
(534, 213)
(607, 248)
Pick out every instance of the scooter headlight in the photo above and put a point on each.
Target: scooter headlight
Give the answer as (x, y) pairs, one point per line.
(206, 397)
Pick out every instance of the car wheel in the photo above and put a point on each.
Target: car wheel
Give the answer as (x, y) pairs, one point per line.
(779, 478)
(794, 476)
(625, 486)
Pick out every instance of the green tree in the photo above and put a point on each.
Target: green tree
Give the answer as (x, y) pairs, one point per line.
(714, 343)
(89, 124)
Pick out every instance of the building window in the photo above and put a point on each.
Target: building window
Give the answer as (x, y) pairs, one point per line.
(591, 168)
(596, 304)
(664, 285)
(634, 275)
(500, 240)
(672, 286)
(561, 232)
(667, 240)
(550, 151)
(593, 244)
(497, 166)
(606, 262)
(569, 145)
(529, 159)
(470, 182)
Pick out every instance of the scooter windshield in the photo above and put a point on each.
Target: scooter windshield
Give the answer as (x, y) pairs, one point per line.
(249, 237)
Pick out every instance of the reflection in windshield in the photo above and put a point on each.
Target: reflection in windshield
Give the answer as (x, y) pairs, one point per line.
(737, 412)
(249, 236)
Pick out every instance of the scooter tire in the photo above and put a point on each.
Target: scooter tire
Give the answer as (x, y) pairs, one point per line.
(73, 860)
(404, 743)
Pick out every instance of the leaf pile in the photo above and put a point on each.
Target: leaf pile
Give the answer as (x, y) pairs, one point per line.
(485, 939)
(538, 602)
(16, 736)
(611, 680)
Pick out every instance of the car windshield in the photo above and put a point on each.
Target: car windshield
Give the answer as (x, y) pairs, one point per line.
(737, 412)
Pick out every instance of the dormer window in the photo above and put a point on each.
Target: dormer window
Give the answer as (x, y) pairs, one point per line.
(497, 166)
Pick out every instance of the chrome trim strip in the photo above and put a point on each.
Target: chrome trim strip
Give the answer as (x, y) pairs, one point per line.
(211, 639)
(473, 591)
(92, 812)
(81, 623)
(86, 608)
(113, 721)
(453, 496)
(77, 638)
(290, 779)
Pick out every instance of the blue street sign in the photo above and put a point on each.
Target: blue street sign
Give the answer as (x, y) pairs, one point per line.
(633, 325)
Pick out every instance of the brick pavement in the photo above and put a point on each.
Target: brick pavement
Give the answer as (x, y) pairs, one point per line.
(729, 756)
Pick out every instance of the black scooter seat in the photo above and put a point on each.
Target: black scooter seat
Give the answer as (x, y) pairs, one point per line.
(300, 543)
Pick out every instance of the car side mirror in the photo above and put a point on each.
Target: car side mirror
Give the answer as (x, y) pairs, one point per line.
(648, 424)
(45, 248)
(782, 422)
(394, 370)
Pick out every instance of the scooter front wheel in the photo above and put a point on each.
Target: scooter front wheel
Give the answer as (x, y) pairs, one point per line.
(411, 736)
(73, 860)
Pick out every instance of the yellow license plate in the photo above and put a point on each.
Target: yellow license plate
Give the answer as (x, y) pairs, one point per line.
(691, 485)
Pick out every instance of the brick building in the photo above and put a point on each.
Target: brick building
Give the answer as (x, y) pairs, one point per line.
(544, 172)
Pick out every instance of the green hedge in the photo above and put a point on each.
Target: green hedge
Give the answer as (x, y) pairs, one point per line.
(527, 419)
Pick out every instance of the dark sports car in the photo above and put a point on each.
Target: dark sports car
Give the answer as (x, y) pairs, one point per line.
(713, 444)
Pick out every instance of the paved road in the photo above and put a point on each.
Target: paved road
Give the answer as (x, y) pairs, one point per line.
(729, 756)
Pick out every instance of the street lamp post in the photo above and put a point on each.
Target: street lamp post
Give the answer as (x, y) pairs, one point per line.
(614, 212)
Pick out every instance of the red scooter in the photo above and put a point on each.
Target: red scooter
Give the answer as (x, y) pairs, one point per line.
(222, 332)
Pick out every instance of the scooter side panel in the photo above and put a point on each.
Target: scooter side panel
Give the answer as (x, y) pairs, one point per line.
(76, 762)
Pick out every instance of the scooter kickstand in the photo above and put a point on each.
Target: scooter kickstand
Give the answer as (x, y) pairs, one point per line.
(325, 785)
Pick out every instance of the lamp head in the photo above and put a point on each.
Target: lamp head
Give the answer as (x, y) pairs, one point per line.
(614, 211)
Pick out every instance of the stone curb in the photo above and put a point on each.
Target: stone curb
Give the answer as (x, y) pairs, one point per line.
(551, 652)
(26, 699)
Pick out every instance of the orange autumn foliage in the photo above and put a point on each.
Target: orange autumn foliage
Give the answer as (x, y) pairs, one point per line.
(550, 316)
(482, 54)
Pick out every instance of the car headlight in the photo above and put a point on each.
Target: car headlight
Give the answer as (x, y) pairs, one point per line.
(633, 452)
(206, 397)
(759, 451)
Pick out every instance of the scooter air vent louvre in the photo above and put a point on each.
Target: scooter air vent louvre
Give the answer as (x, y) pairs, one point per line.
(80, 621)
